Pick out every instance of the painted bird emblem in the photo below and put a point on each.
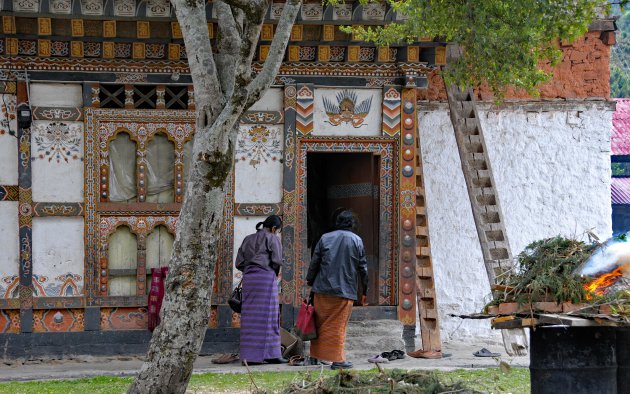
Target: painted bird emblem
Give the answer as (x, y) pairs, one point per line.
(346, 109)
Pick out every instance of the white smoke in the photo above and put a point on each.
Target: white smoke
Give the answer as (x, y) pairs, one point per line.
(610, 255)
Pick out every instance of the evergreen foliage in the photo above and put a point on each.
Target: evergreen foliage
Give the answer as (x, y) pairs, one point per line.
(546, 271)
(620, 58)
(387, 381)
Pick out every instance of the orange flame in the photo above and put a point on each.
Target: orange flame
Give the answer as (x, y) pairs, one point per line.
(599, 285)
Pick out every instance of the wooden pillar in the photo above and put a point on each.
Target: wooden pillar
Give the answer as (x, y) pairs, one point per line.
(25, 214)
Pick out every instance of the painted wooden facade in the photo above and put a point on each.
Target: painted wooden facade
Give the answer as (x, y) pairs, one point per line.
(94, 72)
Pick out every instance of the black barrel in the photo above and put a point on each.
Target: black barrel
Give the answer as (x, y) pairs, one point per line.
(623, 360)
(573, 360)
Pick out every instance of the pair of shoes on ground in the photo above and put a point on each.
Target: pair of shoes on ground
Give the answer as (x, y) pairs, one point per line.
(386, 357)
(430, 354)
(279, 360)
(225, 358)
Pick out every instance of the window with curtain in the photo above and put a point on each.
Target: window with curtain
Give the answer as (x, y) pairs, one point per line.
(122, 262)
(159, 248)
(122, 169)
(160, 163)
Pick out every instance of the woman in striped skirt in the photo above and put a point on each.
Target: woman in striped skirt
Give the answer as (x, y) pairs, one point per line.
(337, 265)
(260, 259)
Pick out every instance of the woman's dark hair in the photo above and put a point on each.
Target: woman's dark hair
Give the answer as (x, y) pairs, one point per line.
(346, 220)
(271, 222)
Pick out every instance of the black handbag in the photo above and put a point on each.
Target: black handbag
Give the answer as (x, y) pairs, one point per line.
(236, 299)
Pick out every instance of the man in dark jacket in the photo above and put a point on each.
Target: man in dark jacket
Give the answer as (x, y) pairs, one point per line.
(338, 263)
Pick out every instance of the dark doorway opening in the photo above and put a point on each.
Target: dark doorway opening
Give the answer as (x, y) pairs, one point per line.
(350, 181)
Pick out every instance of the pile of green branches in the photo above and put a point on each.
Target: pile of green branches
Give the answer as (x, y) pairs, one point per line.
(387, 381)
(546, 272)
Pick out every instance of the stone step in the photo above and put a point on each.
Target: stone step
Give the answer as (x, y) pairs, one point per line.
(367, 338)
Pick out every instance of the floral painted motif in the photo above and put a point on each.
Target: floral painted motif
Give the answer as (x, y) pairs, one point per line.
(58, 141)
(259, 144)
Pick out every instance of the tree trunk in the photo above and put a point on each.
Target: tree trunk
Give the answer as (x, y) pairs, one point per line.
(221, 99)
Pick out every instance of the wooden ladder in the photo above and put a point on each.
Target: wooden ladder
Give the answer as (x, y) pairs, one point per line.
(483, 197)
(425, 285)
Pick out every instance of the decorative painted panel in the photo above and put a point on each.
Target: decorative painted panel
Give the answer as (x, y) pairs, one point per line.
(391, 111)
(158, 8)
(92, 7)
(124, 319)
(125, 7)
(60, 6)
(57, 161)
(342, 12)
(56, 95)
(10, 254)
(258, 166)
(58, 256)
(348, 112)
(26, 5)
(8, 141)
(9, 321)
(304, 109)
(58, 320)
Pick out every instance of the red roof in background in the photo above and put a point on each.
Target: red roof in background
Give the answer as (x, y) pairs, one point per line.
(620, 139)
(620, 191)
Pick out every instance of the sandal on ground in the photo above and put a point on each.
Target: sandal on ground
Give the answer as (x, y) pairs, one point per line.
(296, 361)
(341, 365)
(430, 354)
(483, 352)
(398, 353)
(389, 356)
(226, 358)
(378, 359)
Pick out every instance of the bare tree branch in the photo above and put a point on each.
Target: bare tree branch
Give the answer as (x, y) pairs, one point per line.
(229, 43)
(276, 52)
(192, 19)
(250, 37)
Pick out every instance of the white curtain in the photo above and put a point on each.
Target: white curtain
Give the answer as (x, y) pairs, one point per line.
(160, 162)
(123, 253)
(122, 169)
(159, 248)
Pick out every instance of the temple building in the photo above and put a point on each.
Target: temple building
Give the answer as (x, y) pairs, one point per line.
(98, 113)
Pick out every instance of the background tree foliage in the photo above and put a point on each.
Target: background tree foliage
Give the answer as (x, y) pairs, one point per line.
(620, 59)
(505, 42)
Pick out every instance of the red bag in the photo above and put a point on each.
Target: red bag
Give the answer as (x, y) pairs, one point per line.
(305, 324)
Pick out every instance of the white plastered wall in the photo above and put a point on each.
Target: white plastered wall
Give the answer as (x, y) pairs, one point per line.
(552, 171)
(57, 176)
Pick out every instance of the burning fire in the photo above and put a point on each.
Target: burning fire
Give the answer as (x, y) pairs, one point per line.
(599, 285)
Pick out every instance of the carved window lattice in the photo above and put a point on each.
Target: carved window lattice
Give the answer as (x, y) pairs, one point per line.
(144, 96)
(112, 96)
(176, 97)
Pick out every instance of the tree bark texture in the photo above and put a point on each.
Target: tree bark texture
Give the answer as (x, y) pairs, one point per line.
(222, 94)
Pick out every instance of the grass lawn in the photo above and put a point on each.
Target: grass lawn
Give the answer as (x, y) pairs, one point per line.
(491, 380)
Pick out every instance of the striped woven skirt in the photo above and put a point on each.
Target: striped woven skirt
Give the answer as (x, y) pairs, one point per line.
(260, 326)
(332, 314)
